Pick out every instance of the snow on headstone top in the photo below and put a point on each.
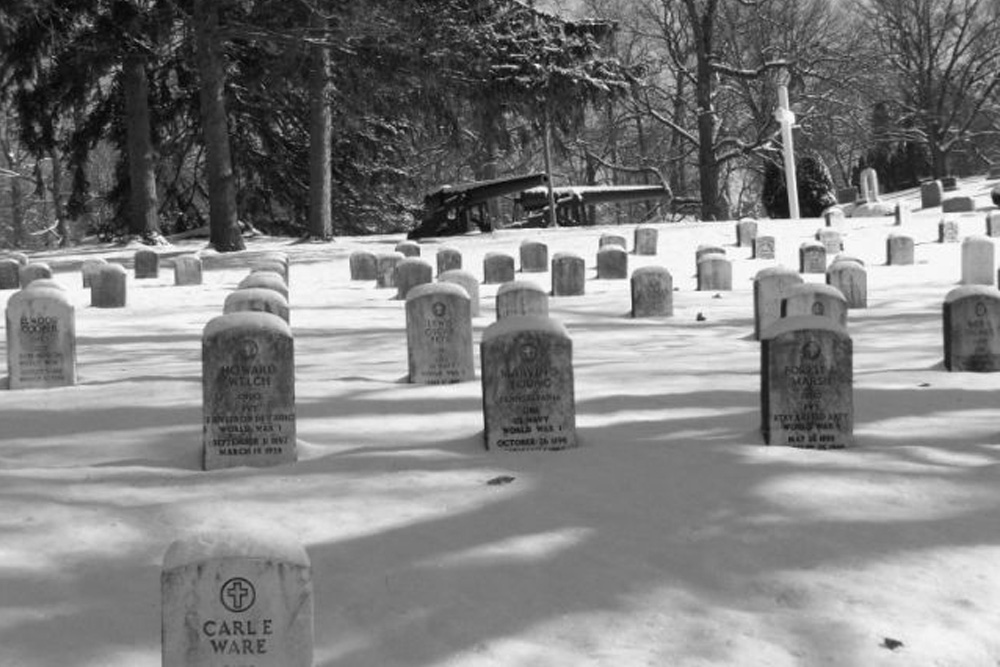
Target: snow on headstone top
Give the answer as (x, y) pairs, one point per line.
(228, 543)
(801, 322)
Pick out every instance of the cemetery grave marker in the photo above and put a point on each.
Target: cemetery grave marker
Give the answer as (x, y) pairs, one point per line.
(498, 268)
(411, 272)
(958, 204)
(646, 239)
(108, 287)
(364, 265)
(715, 272)
(815, 299)
(763, 247)
(977, 261)
(466, 281)
(898, 250)
(448, 259)
(812, 257)
(147, 264)
(521, 297)
(611, 240)
(90, 268)
(41, 338)
(265, 280)
(947, 231)
(901, 214)
(256, 299)
(612, 263)
(847, 195)
(746, 232)
(187, 270)
(770, 286)
(408, 248)
(834, 217)
(534, 257)
(830, 240)
(851, 280)
(568, 274)
(971, 315)
(387, 262)
(33, 271)
(706, 249)
(931, 194)
(10, 274)
(652, 290)
(869, 185)
(993, 223)
(439, 334)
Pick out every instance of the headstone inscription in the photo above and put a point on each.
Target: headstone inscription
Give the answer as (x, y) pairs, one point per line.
(364, 265)
(815, 299)
(611, 240)
(830, 239)
(236, 599)
(978, 264)
(265, 280)
(715, 273)
(958, 204)
(89, 268)
(746, 232)
(448, 259)
(33, 271)
(763, 247)
(10, 274)
(187, 270)
(652, 292)
(521, 297)
(109, 287)
(386, 276)
(41, 338)
(498, 268)
(646, 240)
(931, 194)
(971, 316)
(770, 286)
(851, 279)
(466, 281)
(806, 380)
(527, 379)
(439, 334)
(534, 256)
(993, 223)
(568, 274)
(812, 257)
(146, 263)
(947, 231)
(410, 272)
(898, 250)
(408, 248)
(256, 299)
(248, 391)
(612, 263)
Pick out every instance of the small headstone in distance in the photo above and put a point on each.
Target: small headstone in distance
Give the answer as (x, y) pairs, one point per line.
(256, 299)
(898, 250)
(109, 287)
(363, 265)
(652, 292)
(995, 195)
(527, 379)
(448, 259)
(568, 274)
(847, 195)
(763, 247)
(947, 231)
(834, 217)
(386, 276)
(10, 274)
(147, 264)
(770, 286)
(41, 338)
(812, 257)
(978, 260)
(265, 280)
(901, 214)
(534, 256)
(611, 240)
(815, 299)
(89, 268)
(498, 268)
(715, 272)
(931, 194)
(705, 249)
(746, 232)
(248, 391)
(521, 297)
(466, 281)
(993, 224)
(439, 334)
(410, 272)
(187, 270)
(612, 263)
(851, 279)
(646, 240)
(806, 384)
(408, 248)
(869, 185)
(958, 205)
(830, 239)
(236, 598)
(33, 271)
(272, 265)
(971, 316)
(949, 183)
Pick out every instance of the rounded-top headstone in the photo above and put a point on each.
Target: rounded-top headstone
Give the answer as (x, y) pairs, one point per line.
(41, 337)
(763, 247)
(993, 223)
(521, 297)
(439, 334)
(527, 379)
(408, 248)
(646, 239)
(851, 279)
(410, 272)
(265, 280)
(10, 273)
(815, 299)
(363, 265)
(271, 264)
(248, 391)
(707, 249)
(931, 194)
(90, 268)
(746, 232)
(386, 266)
(898, 250)
(947, 231)
(612, 262)
(611, 240)
(958, 204)
(187, 270)
(108, 287)
(534, 256)
(256, 299)
(235, 598)
(568, 274)
(714, 273)
(448, 259)
(652, 290)
(466, 281)
(147, 263)
(770, 286)
(978, 260)
(971, 315)
(498, 268)
(812, 257)
(34, 271)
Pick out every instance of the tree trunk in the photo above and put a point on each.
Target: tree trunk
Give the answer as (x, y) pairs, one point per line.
(712, 205)
(320, 139)
(547, 149)
(16, 190)
(224, 231)
(58, 210)
(143, 220)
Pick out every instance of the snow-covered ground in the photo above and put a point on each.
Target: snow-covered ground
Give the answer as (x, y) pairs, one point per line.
(672, 536)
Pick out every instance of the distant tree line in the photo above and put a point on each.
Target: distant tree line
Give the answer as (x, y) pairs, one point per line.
(144, 118)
